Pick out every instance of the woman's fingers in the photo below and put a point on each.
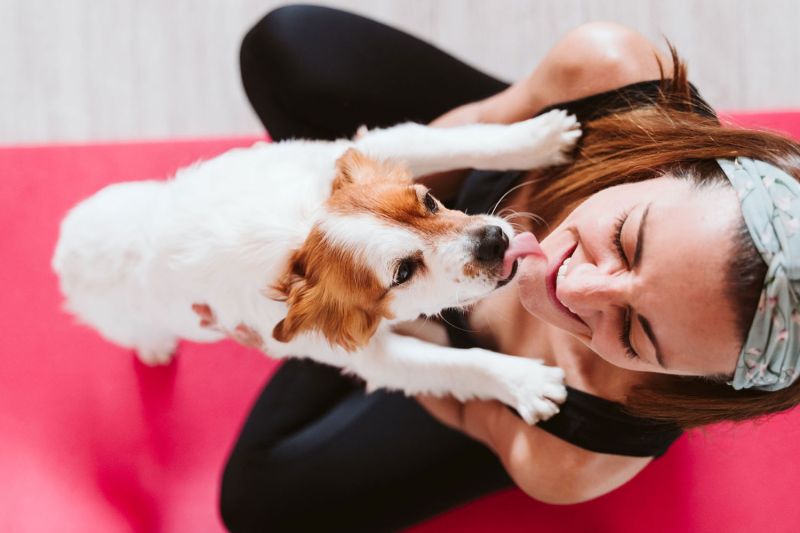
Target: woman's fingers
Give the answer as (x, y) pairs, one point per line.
(476, 418)
(447, 410)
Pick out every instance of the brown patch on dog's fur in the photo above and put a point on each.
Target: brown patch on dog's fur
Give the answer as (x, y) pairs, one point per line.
(386, 189)
(328, 291)
(471, 270)
(326, 288)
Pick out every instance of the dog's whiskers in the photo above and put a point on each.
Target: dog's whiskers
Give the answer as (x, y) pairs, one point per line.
(523, 214)
(509, 191)
(443, 319)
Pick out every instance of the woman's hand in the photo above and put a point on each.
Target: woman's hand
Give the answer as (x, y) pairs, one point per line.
(470, 113)
(476, 418)
(543, 466)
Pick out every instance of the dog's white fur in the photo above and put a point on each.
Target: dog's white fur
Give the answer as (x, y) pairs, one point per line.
(133, 258)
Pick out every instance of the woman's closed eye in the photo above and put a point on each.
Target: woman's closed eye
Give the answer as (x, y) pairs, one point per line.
(625, 328)
(617, 238)
(625, 335)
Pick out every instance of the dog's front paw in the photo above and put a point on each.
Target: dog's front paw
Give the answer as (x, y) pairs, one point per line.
(564, 130)
(544, 140)
(532, 388)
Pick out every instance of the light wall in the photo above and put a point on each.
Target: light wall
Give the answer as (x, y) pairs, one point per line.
(95, 70)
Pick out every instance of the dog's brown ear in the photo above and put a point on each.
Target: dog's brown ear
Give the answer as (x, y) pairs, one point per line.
(291, 287)
(293, 275)
(315, 307)
(325, 291)
(298, 318)
(351, 327)
(350, 167)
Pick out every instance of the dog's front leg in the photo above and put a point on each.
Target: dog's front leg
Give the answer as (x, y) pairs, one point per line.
(541, 141)
(416, 367)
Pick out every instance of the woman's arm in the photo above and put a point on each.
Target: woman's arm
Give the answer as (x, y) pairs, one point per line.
(543, 466)
(593, 58)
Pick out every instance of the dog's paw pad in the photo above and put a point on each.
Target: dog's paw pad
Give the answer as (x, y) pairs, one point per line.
(536, 390)
(541, 141)
(537, 410)
(563, 131)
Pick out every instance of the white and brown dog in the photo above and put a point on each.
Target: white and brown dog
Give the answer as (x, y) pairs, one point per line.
(318, 247)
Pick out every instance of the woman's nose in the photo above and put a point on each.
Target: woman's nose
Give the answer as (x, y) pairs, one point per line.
(588, 289)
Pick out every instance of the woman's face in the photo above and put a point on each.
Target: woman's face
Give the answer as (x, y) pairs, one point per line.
(643, 286)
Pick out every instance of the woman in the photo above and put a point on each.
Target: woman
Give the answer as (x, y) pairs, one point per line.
(654, 306)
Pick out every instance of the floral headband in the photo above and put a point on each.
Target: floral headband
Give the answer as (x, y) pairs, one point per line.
(770, 200)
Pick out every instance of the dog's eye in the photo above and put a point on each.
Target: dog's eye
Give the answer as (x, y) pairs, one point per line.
(404, 271)
(430, 202)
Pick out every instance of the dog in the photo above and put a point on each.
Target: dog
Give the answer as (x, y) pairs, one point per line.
(319, 248)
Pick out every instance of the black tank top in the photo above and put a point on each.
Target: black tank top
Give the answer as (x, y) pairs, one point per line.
(585, 420)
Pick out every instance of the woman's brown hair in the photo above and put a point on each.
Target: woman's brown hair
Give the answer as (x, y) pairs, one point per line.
(669, 136)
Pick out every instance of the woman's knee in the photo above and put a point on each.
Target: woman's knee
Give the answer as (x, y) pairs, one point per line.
(284, 74)
(287, 33)
(268, 67)
(249, 499)
(269, 38)
(233, 503)
(601, 56)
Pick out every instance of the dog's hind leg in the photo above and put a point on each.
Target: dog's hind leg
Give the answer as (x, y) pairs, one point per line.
(156, 349)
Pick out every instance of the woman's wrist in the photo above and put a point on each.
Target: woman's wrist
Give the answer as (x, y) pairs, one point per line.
(470, 113)
(478, 418)
(475, 418)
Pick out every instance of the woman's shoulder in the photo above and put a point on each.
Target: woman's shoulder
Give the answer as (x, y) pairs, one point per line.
(626, 98)
(553, 470)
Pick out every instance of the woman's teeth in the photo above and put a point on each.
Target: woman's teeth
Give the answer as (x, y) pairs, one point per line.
(562, 270)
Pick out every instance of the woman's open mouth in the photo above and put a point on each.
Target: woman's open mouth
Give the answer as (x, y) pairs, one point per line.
(552, 282)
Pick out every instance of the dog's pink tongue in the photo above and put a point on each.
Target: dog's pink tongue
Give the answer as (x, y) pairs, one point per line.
(521, 245)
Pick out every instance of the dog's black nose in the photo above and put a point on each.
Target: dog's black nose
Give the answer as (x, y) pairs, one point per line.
(492, 244)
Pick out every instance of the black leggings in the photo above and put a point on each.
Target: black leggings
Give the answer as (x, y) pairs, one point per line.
(316, 453)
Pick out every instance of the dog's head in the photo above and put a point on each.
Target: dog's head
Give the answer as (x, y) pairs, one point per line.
(386, 248)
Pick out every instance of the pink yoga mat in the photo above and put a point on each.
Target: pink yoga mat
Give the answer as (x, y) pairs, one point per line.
(91, 441)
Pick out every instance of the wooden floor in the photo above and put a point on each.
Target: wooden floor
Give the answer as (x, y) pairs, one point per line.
(76, 70)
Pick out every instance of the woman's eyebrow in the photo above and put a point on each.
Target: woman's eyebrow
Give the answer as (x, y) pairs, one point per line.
(637, 252)
(648, 330)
